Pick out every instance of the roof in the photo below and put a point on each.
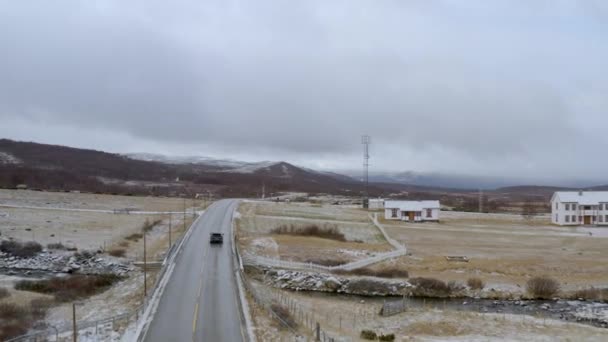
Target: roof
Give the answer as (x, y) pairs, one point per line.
(583, 197)
(412, 205)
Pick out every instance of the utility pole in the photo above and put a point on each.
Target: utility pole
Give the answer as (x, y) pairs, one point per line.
(263, 190)
(75, 335)
(145, 269)
(480, 200)
(170, 219)
(184, 214)
(366, 140)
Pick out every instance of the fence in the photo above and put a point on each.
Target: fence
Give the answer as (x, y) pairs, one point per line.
(267, 298)
(251, 259)
(102, 328)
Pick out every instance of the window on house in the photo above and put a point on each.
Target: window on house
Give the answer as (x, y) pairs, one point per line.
(394, 212)
(573, 218)
(587, 207)
(580, 219)
(574, 207)
(567, 206)
(429, 213)
(556, 218)
(601, 218)
(601, 207)
(556, 206)
(567, 219)
(606, 219)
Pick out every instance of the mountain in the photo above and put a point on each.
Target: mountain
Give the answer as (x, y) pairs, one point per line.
(66, 168)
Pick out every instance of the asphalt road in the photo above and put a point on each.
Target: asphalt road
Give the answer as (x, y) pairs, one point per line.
(200, 301)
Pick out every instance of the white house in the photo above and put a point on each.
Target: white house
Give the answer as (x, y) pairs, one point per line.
(579, 207)
(376, 203)
(412, 211)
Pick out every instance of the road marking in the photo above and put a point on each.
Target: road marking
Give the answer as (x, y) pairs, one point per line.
(198, 296)
(194, 320)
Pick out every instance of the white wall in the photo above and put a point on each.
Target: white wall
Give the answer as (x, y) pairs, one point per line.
(388, 214)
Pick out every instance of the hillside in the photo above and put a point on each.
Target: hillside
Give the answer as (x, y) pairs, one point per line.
(66, 168)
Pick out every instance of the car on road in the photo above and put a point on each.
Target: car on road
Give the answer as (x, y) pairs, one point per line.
(216, 238)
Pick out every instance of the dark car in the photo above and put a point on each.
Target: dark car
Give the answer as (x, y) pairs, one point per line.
(216, 238)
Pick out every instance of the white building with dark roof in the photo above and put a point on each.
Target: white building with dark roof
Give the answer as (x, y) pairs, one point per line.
(412, 211)
(575, 208)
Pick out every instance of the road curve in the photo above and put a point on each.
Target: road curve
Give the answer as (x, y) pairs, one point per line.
(200, 301)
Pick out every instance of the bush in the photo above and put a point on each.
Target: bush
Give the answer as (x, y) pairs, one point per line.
(368, 335)
(430, 287)
(390, 272)
(57, 246)
(284, 315)
(326, 232)
(134, 237)
(591, 294)
(117, 252)
(148, 226)
(66, 289)
(542, 287)
(4, 293)
(20, 250)
(476, 283)
(389, 337)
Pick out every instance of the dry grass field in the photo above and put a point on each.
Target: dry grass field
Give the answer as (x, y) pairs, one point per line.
(87, 222)
(258, 222)
(504, 250)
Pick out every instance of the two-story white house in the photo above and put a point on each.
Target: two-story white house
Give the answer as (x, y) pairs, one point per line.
(579, 208)
(412, 211)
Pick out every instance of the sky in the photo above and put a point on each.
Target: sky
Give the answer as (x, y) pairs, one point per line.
(497, 88)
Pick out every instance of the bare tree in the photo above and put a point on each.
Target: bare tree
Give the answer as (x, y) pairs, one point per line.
(529, 210)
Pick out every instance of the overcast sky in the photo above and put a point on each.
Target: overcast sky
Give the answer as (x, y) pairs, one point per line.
(470, 86)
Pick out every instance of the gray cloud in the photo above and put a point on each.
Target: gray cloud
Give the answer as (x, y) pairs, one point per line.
(458, 87)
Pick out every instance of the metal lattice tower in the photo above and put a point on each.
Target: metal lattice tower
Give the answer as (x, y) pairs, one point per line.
(481, 200)
(366, 140)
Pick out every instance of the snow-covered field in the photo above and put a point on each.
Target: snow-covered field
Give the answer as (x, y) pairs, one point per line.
(89, 230)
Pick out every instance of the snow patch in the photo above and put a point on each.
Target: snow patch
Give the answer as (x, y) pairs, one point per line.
(7, 158)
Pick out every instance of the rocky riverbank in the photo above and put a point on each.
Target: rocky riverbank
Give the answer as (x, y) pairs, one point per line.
(322, 282)
(64, 262)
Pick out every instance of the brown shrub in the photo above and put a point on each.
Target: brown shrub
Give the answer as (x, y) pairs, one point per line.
(591, 294)
(148, 226)
(326, 232)
(57, 245)
(476, 283)
(369, 335)
(117, 252)
(123, 244)
(430, 287)
(4, 293)
(387, 337)
(66, 289)
(284, 315)
(542, 287)
(134, 237)
(15, 321)
(20, 250)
